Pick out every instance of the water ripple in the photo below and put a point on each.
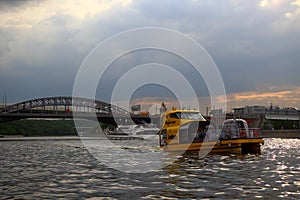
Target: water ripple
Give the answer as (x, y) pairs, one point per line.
(64, 169)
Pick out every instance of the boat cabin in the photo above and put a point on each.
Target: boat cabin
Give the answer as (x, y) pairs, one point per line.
(234, 128)
(181, 126)
(238, 128)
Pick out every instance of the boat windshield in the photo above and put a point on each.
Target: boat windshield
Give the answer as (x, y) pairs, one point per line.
(187, 115)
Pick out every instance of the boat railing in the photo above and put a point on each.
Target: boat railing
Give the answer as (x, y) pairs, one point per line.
(254, 133)
(240, 133)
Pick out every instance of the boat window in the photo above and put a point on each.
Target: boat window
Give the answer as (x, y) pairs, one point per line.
(174, 115)
(241, 124)
(230, 130)
(187, 133)
(187, 115)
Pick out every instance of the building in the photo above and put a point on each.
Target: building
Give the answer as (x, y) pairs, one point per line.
(249, 111)
(256, 111)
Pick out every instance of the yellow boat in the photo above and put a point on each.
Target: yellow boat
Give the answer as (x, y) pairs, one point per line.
(187, 130)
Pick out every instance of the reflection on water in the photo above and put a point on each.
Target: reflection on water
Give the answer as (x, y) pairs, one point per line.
(65, 169)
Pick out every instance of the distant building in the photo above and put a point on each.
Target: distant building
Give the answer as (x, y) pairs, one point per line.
(249, 111)
(255, 111)
(216, 112)
(218, 116)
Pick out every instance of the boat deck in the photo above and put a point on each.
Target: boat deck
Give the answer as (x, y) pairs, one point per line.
(245, 145)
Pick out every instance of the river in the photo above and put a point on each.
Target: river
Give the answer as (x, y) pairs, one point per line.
(43, 169)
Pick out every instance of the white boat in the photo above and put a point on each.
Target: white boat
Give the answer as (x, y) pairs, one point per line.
(145, 131)
(124, 130)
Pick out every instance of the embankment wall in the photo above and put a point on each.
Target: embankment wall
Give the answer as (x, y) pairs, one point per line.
(289, 133)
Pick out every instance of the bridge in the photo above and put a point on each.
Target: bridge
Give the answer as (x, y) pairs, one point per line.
(65, 107)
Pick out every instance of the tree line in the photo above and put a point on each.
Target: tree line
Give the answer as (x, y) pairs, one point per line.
(40, 128)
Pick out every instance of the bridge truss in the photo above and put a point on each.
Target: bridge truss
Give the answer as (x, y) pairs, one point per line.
(64, 107)
(77, 104)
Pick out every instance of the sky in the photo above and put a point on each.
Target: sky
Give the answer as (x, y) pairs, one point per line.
(254, 43)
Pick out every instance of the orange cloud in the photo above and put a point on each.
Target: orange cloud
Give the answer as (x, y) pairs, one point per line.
(281, 97)
(255, 95)
(286, 98)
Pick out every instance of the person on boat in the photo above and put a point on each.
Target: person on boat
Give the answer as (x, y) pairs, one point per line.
(242, 130)
(164, 138)
(200, 135)
(226, 133)
(243, 133)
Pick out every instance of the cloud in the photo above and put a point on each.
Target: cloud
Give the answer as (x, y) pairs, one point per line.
(254, 43)
(251, 45)
(282, 97)
(11, 4)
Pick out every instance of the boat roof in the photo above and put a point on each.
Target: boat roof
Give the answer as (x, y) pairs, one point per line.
(234, 120)
(177, 110)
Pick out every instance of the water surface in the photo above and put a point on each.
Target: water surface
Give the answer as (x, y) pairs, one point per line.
(65, 169)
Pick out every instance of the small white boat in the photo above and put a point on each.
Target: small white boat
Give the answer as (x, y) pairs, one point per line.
(123, 130)
(145, 131)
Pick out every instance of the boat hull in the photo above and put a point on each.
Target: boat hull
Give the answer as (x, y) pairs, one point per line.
(240, 146)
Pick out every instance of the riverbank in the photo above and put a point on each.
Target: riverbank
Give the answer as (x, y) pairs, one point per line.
(22, 138)
(43, 127)
(54, 138)
(31, 128)
(289, 133)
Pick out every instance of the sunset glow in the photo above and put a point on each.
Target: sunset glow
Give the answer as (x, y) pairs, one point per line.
(285, 98)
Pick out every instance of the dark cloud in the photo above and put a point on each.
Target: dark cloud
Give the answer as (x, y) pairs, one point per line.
(12, 3)
(129, 61)
(253, 47)
(17, 4)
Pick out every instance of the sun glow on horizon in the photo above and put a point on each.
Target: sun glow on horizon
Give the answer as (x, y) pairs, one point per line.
(283, 98)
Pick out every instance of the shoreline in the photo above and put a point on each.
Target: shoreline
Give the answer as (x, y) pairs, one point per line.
(36, 138)
(284, 134)
(57, 138)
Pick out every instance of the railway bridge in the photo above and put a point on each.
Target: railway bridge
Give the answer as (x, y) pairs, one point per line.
(68, 107)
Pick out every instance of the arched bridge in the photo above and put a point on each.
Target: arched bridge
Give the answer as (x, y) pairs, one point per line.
(65, 107)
